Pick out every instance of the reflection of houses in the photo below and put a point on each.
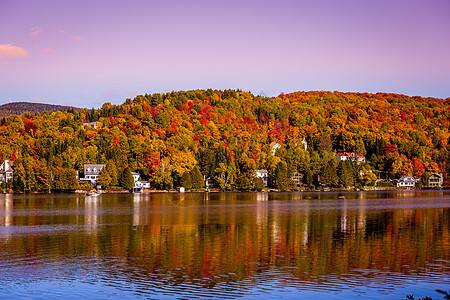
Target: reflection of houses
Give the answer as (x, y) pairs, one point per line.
(275, 146)
(435, 180)
(407, 181)
(359, 158)
(297, 178)
(6, 171)
(92, 172)
(264, 175)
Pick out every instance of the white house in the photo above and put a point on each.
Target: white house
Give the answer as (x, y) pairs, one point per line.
(264, 175)
(359, 158)
(142, 184)
(305, 144)
(6, 172)
(135, 176)
(92, 172)
(91, 124)
(407, 181)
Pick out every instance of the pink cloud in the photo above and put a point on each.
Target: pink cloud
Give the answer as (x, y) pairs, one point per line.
(72, 37)
(49, 50)
(34, 31)
(12, 51)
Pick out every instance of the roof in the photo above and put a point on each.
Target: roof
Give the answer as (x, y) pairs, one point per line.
(438, 175)
(408, 177)
(350, 154)
(89, 169)
(261, 171)
(6, 166)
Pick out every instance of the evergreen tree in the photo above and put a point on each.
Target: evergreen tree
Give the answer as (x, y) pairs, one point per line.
(126, 179)
(197, 178)
(328, 175)
(104, 180)
(185, 181)
(309, 177)
(282, 181)
(244, 182)
(20, 182)
(345, 173)
(112, 172)
(246, 173)
(259, 184)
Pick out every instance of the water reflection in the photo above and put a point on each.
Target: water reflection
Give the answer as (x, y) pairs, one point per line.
(152, 244)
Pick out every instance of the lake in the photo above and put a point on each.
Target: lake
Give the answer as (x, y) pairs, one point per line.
(371, 245)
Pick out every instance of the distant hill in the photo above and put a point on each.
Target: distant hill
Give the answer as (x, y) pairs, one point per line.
(20, 108)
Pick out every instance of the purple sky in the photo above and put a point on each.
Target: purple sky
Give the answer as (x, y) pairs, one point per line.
(85, 52)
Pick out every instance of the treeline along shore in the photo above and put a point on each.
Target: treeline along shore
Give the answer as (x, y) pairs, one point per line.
(232, 140)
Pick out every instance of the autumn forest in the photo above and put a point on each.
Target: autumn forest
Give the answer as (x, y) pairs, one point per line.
(181, 138)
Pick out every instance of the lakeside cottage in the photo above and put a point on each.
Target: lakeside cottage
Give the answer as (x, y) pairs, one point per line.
(91, 124)
(436, 180)
(407, 181)
(359, 158)
(92, 172)
(6, 171)
(264, 175)
(135, 176)
(142, 184)
(297, 178)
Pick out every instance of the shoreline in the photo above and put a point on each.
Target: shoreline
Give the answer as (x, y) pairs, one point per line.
(82, 192)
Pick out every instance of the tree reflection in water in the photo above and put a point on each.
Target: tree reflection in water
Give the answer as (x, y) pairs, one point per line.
(229, 241)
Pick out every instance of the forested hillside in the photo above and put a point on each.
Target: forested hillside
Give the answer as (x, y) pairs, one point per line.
(21, 108)
(172, 138)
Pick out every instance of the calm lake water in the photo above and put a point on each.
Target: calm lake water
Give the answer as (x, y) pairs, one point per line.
(370, 245)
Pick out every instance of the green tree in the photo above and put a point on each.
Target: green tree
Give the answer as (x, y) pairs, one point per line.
(282, 180)
(259, 184)
(104, 179)
(345, 173)
(20, 181)
(126, 179)
(197, 178)
(246, 174)
(328, 176)
(185, 180)
(113, 173)
(162, 179)
(225, 176)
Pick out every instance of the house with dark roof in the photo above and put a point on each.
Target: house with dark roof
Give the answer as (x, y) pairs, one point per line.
(92, 172)
(435, 180)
